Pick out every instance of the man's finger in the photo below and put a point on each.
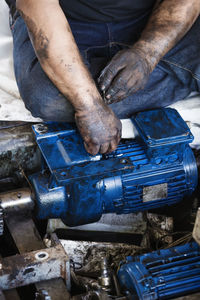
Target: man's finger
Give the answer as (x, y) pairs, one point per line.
(110, 95)
(113, 146)
(91, 148)
(119, 96)
(109, 73)
(117, 85)
(106, 78)
(119, 135)
(104, 148)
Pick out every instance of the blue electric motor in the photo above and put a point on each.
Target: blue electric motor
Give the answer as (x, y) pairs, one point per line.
(155, 169)
(163, 274)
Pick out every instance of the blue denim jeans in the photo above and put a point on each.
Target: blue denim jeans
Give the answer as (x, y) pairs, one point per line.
(174, 78)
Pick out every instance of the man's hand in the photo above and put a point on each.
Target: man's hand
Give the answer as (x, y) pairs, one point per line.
(127, 73)
(99, 128)
(129, 70)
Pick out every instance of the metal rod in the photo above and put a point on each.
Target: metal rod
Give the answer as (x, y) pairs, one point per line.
(17, 201)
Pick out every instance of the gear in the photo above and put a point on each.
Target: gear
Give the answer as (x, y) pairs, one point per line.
(1, 220)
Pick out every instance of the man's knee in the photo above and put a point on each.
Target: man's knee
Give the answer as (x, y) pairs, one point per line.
(45, 101)
(42, 98)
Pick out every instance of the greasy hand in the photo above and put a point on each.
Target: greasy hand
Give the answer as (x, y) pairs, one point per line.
(99, 128)
(127, 73)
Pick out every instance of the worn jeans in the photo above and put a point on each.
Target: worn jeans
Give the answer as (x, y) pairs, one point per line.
(174, 78)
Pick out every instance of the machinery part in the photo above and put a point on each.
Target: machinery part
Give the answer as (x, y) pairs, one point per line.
(42, 295)
(107, 286)
(18, 151)
(32, 267)
(86, 255)
(196, 230)
(105, 278)
(163, 274)
(27, 239)
(160, 229)
(94, 295)
(156, 169)
(134, 223)
(17, 202)
(1, 220)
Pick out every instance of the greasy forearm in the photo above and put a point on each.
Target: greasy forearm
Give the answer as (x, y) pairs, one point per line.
(168, 23)
(59, 57)
(129, 70)
(57, 51)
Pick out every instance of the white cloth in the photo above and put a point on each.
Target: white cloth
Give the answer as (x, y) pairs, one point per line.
(12, 107)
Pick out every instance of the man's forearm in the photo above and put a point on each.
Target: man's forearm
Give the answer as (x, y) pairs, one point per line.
(168, 23)
(59, 57)
(57, 51)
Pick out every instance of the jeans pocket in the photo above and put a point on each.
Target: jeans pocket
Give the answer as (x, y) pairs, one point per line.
(96, 51)
(104, 51)
(97, 58)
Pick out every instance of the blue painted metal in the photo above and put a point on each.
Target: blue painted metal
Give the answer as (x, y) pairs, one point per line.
(163, 274)
(157, 168)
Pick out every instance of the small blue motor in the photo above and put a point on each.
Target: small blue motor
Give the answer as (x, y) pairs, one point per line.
(155, 169)
(164, 274)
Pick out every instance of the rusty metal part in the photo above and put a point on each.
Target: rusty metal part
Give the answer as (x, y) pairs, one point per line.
(27, 239)
(105, 278)
(196, 229)
(18, 149)
(94, 294)
(87, 255)
(93, 290)
(32, 267)
(160, 229)
(9, 295)
(17, 202)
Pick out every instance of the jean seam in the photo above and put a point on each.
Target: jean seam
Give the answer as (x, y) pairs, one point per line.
(121, 44)
(103, 46)
(93, 47)
(195, 76)
(109, 33)
(106, 45)
(13, 20)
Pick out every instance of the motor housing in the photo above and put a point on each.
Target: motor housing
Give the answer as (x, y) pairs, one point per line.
(155, 169)
(164, 274)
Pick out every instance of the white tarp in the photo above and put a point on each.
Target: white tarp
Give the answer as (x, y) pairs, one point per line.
(12, 107)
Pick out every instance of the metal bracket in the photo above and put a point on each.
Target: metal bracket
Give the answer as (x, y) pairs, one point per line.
(35, 266)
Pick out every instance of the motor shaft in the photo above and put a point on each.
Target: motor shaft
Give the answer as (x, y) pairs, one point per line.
(17, 202)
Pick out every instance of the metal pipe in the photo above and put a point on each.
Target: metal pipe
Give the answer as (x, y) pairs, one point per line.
(17, 201)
